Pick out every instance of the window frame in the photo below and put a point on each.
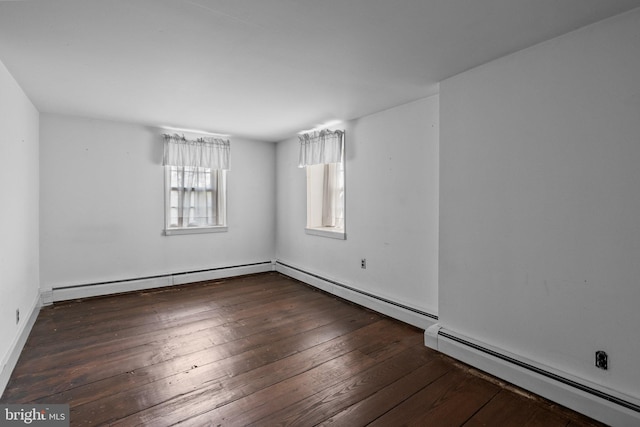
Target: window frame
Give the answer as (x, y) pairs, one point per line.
(328, 231)
(173, 231)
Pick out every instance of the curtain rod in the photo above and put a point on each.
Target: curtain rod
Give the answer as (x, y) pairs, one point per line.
(221, 135)
(176, 136)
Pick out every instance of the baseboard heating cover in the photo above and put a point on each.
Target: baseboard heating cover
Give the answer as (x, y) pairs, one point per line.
(87, 290)
(578, 394)
(404, 313)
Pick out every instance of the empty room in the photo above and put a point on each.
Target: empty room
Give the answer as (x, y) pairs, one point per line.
(280, 212)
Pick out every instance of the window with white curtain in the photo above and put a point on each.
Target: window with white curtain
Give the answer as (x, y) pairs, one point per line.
(322, 155)
(195, 184)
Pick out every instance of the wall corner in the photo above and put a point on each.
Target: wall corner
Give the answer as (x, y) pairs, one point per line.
(431, 336)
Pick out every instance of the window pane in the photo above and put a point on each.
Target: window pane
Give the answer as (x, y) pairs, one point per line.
(192, 197)
(174, 177)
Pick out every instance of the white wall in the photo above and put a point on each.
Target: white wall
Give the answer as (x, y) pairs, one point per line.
(391, 208)
(540, 203)
(18, 213)
(102, 205)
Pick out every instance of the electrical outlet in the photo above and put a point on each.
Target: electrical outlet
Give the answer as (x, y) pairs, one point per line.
(17, 316)
(602, 360)
(363, 263)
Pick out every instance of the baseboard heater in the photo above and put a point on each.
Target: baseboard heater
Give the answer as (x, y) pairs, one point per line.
(547, 374)
(391, 308)
(85, 290)
(573, 393)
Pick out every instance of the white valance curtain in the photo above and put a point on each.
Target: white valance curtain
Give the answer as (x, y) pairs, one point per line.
(321, 147)
(207, 153)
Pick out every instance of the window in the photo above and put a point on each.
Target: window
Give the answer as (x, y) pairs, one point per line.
(325, 197)
(322, 154)
(195, 199)
(195, 185)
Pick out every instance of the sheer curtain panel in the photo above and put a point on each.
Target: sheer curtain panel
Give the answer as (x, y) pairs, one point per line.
(333, 196)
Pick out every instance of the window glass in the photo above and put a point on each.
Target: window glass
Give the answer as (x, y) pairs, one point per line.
(196, 197)
(326, 197)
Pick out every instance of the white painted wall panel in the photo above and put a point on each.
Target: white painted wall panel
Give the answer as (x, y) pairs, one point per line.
(102, 205)
(540, 202)
(19, 278)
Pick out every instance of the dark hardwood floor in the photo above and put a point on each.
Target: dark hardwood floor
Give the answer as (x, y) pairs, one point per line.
(259, 350)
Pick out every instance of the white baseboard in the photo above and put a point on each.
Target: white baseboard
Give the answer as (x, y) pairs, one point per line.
(11, 359)
(595, 401)
(99, 289)
(389, 308)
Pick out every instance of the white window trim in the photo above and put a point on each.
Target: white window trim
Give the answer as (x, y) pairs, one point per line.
(195, 230)
(170, 231)
(338, 233)
(326, 232)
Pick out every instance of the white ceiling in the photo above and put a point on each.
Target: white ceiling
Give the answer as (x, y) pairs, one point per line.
(263, 69)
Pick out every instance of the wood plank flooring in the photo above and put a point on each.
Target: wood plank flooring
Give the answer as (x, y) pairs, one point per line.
(258, 350)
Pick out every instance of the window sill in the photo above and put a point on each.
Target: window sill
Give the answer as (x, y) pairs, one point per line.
(195, 230)
(326, 232)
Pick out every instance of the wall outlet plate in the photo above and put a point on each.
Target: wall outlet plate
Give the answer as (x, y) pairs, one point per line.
(602, 360)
